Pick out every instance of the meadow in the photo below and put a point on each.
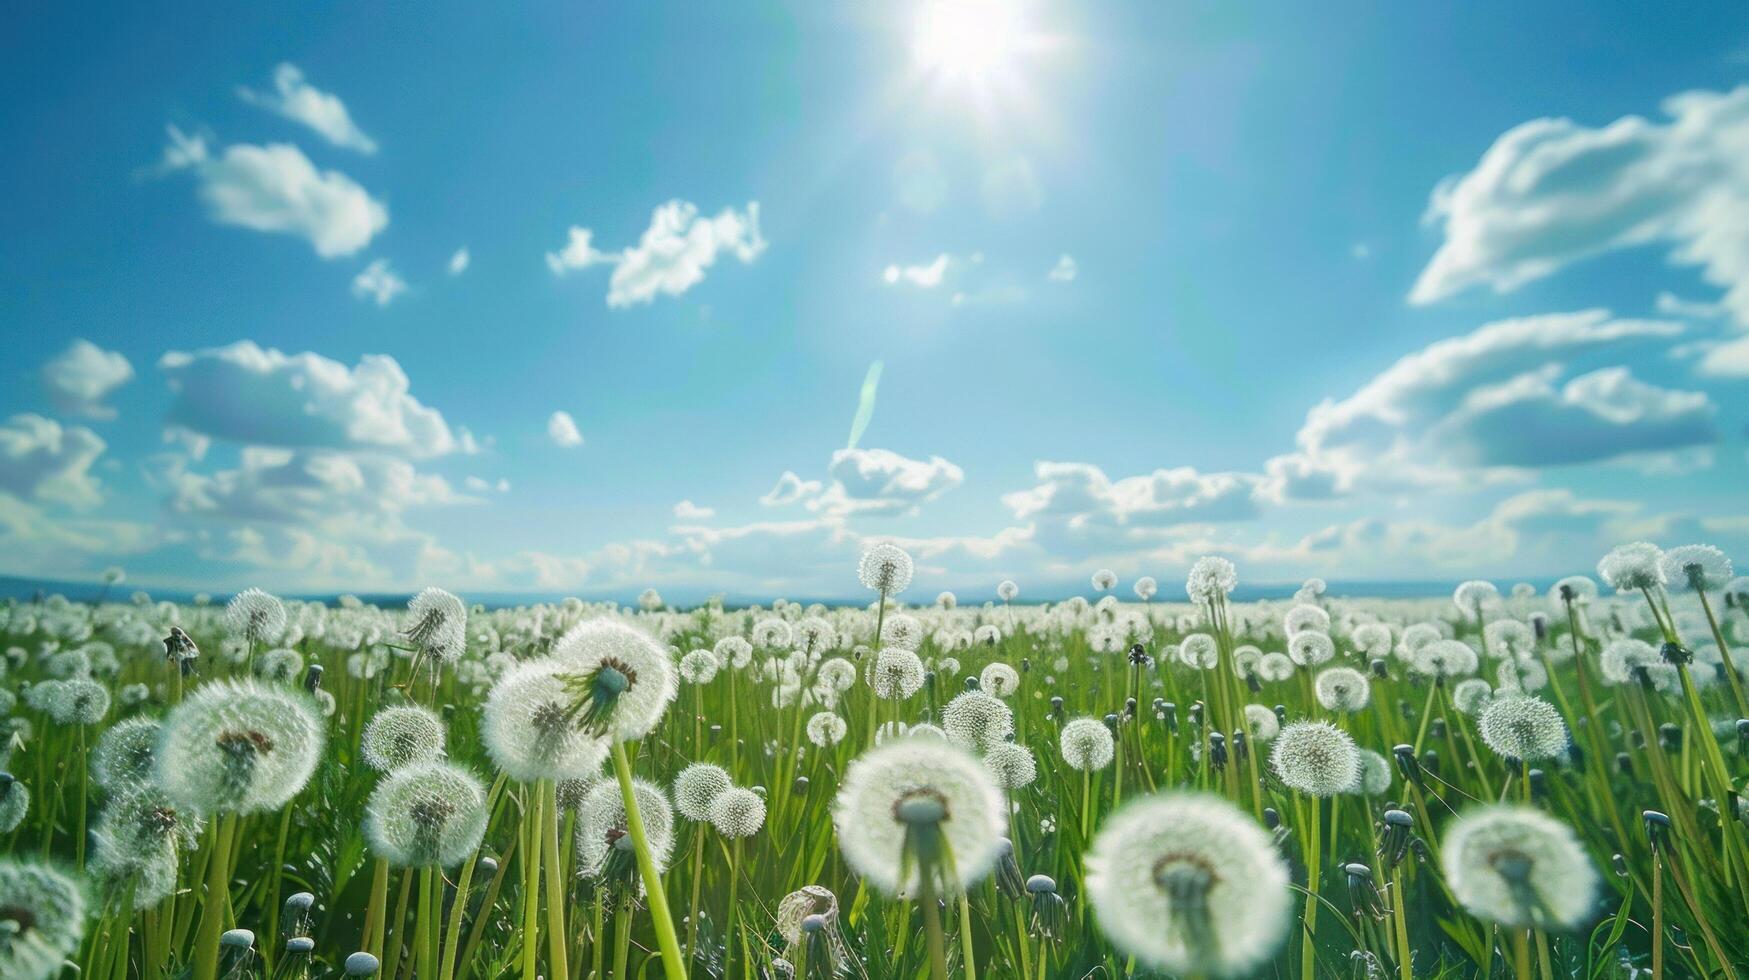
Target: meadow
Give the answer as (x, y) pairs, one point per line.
(1517, 782)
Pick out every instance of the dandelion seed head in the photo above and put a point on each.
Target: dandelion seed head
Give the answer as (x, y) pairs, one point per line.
(901, 631)
(1007, 591)
(698, 667)
(826, 729)
(1187, 883)
(738, 812)
(1086, 744)
(1308, 648)
(601, 825)
(46, 913)
(999, 679)
(1315, 758)
(530, 729)
(1342, 689)
(885, 779)
(427, 815)
(1518, 867)
(238, 746)
(1305, 617)
(1523, 727)
(255, 617)
(977, 720)
(1200, 651)
(896, 674)
(734, 652)
(1697, 566)
(1012, 765)
(1632, 567)
(437, 625)
(1471, 695)
(596, 646)
(885, 568)
(124, 754)
(697, 787)
(401, 735)
(1261, 724)
(1211, 578)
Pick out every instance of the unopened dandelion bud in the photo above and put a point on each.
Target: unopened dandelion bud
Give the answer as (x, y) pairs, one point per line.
(313, 678)
(1657, 828)
(361, 964)
(1407, 764)
(1620, 865)
(1670, 737)
(1539, 783)
(1625, 763)
(1170, 711)
(300, 946)
(1271, 818)
(237, 939)
(1675, 654)
(1379, 667)
(1008, 879)
(1280, 713)
(1217, 751)
(1057, 707)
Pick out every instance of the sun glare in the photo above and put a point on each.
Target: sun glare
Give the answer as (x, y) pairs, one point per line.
(967, 38)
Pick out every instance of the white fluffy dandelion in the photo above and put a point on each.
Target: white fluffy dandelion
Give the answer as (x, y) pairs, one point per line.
(530, 726)
(255, 617)
(1342, 689)
(697, 787)
(1086, 744)
(887, 785)
(1523, 727)
(239, 747)
(427, 815)
(977, 720)
(885, 568)
(1187, 883)
(999, 679)
(401, 735)
(1518, 867)
(1315, 758)
(627, 677)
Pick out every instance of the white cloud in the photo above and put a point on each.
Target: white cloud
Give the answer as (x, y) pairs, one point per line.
(922, 276)
(458, 263)
(80, 377)
(1078, 510)
(40, 458)
(275, 188)
(1726, 360)
(562, 430)
(686, 510)
(1550, 192)
(1065, 270)
(672, 255)
(482, 485)
(246, 394)
(790, 489)
(378, 283)
(882, 481)
(1494, 398)
(301, 102)
(303, 487)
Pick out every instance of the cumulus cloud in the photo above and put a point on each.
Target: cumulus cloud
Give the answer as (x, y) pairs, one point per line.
(458, 263)
(790, 489)
(1078, 509)
(303, 487)
(686, 510)
(1065, 270)
(42, 459)
(80, 377)
(298, 100)
(922, 276)
(1729, 359)
(1504, 395)
(562, 430)
(275, 188)
(884, 482)
(246, 394)
(479, 484)
(1551, 192)
(378, 283)
(671, 256)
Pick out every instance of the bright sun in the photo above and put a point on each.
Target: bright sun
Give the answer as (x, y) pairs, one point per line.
(969, 39)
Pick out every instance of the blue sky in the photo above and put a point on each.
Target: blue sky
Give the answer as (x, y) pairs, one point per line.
(1112, 257)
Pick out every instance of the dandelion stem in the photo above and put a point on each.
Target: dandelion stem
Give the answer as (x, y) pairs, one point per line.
(658, 897)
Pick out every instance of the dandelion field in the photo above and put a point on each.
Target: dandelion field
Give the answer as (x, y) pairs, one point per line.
(1528, 783)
